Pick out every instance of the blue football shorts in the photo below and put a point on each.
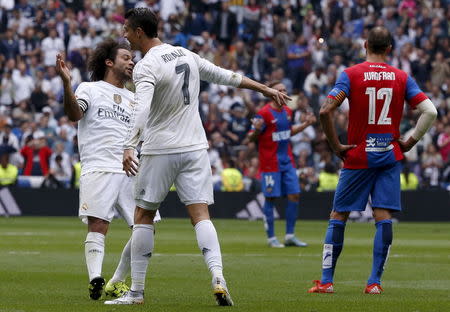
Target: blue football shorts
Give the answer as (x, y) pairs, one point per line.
(355, 186)
(280, 183)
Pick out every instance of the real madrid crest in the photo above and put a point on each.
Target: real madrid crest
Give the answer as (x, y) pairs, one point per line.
(117, 98)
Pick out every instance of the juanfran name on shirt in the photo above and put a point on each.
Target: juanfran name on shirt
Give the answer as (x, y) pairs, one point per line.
(379, 76)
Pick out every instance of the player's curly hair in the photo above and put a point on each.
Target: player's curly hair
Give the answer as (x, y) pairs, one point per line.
(106, 50)
(145, 19)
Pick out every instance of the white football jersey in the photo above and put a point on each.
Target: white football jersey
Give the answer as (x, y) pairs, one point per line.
(104, 126)
(166, 116)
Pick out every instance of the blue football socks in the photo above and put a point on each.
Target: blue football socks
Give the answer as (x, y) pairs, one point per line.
(334, 241)
(269, 224)
(381, 245)
(291, 216)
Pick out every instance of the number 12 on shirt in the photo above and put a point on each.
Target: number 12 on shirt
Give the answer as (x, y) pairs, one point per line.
(383, 93)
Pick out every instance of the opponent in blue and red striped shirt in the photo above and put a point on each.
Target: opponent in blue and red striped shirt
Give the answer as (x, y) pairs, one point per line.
(272, 129)
(376, 93)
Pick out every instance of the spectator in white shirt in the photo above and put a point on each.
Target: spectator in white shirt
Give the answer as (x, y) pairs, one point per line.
(51, 46)
(317, 77)
(23, 84)
(7, 89)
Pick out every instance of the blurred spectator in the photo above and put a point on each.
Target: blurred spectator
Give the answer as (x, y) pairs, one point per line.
(431, 163)
(9, 45)
(37, 155)
(7, 90)
(328, 178)
(8, 172)
(60, 165)
(225, 25)
(308, 179)
(232, 178)
(317, 78)
(297, 55)
(440, 70)
(23, 84)
(408, 180)
(238, 125)
(51, 46)
(76, 174)
(443, 142)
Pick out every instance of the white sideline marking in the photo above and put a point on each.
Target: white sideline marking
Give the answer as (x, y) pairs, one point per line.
(26, 234)
(24, 253)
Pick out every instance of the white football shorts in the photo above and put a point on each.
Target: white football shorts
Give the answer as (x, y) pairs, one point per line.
(189, 171)
(101, 192)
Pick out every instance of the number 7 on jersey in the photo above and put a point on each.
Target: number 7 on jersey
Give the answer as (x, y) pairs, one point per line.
(184, 68)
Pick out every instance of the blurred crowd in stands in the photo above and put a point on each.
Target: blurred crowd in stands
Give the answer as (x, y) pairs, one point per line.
(304, 44)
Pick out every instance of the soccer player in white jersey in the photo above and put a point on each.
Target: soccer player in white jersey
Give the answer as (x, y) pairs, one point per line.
(104, 109)
(174, 146)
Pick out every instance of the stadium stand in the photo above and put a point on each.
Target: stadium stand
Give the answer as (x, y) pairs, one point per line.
(304, 44)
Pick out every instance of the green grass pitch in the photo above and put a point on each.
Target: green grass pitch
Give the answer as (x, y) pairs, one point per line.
(42, 268)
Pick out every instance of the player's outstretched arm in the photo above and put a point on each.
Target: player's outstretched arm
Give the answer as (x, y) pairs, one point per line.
(215, 74)
(71, 107)
(327, 122)
(278, 97)
(428, 114)
(310, 119)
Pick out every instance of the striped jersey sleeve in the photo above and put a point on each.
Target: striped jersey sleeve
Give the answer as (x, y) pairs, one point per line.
(82, 95)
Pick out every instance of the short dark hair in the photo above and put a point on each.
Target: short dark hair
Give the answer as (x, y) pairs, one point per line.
(379, 40)
(144, 18)
(106, 50)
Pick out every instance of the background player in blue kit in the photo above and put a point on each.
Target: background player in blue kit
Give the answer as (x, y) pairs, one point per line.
(273, 129)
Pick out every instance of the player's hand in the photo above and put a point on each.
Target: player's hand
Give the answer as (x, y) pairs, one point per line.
(406, 146)
(277, 97)
(257, 123)
(62, 70)
(130, 163)
(310, 119)
(342, 149)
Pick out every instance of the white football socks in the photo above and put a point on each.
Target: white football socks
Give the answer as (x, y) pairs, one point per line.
(124, 265)
(209, 245)
(142, 242)
(94, 250)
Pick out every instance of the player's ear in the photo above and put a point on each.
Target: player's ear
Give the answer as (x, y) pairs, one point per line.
(109, 62)
(389, 49)
(139, 32)
(365, 45)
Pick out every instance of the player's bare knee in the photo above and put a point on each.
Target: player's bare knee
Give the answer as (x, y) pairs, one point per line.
(380, 214)
(341, 216)
(198, 212)
(144, 216)
(97, 225)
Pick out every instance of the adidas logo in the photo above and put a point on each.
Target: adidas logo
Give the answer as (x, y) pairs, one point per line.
(95, 251)
(205, 250)
(142, 192)
(375, 290)
(147, 255)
